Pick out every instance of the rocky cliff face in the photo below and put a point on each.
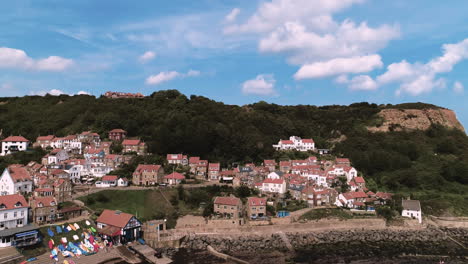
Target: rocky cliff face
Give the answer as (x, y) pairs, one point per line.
(415, 119)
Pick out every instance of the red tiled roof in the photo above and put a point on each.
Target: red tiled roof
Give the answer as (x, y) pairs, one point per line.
(175, 175)
(117, 130)
(194, 160)
(9, 201)
(174, 156)
(109, 178)
(256, 201)
(227, 200)
(307, 140)
(213, 166)
(287, 142)
(383, 195)
(275, 181)
(46, 201)
(342, 160)
(15, 139)
(147, 167)
(58, 171)
(359, 180)
(114, 218)
(269, 162)
(44, 138)
(285, 163)
(19, 173)
(131, 142)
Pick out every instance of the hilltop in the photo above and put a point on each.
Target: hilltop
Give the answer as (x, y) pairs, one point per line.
(417, 148)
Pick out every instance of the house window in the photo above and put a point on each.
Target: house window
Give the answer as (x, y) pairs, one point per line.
(15, 214)
(5, 215)
(22, 213)
(19, 221)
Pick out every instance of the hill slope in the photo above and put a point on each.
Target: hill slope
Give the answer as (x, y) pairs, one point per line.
(430, 163)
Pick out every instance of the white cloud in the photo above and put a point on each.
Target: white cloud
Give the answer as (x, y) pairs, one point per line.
(232, 15)
(263, 84)
(458, 87)
(193, 73)
(270, 15)
(162, 77)
(358, 83)
(18, 59)
(418, 78)
(166, 76)
(339, 66)
(303, 45)
(147, 56)
(308, 35)
(56, 92)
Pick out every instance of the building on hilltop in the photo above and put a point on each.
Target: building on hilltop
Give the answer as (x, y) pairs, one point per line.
(14, 144)
(110, 94)
(295, 143)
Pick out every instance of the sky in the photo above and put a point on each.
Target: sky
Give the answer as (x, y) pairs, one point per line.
(288, 52)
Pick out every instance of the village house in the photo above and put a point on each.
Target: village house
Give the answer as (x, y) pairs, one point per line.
(44, 141)
(13, 144)
(71, 143)
(343, 161)
(62, 190)
(202, 169)
(295, 143)
(14, 228)
(115, 95)
(56, 156)
(113, 161)
(193, 163)
(270, 164)
(351, 199)
(43, 209)
(177, 159)
(277, 186)
(118, 226)
(285, 166)
(147, 174)
(122, 182)
(107, 181)
(117, 134)
(174, 178)
(134, 145)
(256, 207)
(76, 168)
(227, 207)
(106, 146)
(15, 179)
(89, 138)
(412, 209)
(213, 171)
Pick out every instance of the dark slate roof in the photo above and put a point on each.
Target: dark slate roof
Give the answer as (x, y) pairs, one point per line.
(412, 205)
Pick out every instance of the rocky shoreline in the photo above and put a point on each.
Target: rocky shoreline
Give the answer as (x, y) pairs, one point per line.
(353, 246)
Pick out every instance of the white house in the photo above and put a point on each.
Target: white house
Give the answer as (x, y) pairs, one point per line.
(13, 144)
(174, 178)
(122, 182)
(15, 179)
(13, 217)
(56, 156)
(295, 143)
(412, 209)
(275, 175)
(107, 181)
(274, 186)
(177, 159)
(76, 169)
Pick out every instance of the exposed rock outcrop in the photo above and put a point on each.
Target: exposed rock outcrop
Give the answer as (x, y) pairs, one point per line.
(416, 119)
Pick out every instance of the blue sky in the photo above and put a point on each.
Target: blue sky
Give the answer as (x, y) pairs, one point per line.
(290, 52)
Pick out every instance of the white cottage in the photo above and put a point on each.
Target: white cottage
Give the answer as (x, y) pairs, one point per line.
(13, 144)
(15, 179)
(412, 209)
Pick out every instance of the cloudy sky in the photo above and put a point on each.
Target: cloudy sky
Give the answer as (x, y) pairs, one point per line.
(281, 51)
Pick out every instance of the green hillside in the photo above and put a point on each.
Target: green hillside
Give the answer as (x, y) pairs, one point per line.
(432, 164)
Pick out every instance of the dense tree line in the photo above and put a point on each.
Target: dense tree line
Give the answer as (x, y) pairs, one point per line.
(169, 122)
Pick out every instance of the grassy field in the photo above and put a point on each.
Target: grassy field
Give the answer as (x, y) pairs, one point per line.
(145, 204)
(317, 214)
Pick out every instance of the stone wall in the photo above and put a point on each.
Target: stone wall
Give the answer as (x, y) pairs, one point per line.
(354, 242)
